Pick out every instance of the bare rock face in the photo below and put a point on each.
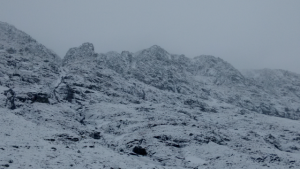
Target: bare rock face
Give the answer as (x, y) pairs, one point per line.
(85, 51)
(149, 109)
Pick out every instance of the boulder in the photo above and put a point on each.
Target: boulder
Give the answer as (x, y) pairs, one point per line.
(139, 150)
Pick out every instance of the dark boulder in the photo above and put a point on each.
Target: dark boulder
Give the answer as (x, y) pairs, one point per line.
(139, 150)
(10, 101)
(33, 97)
(39, 97)
(174, 145)
(73, 139)
(70, 94)
(5, 165)
(95, 135)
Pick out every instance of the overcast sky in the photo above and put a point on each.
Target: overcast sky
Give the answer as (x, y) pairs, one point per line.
(251, 34)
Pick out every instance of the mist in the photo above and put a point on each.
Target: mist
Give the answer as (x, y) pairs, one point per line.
(247, 34)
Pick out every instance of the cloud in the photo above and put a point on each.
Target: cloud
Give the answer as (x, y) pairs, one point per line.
(247, 34)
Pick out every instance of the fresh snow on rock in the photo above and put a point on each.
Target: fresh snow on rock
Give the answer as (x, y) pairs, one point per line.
(148, 109)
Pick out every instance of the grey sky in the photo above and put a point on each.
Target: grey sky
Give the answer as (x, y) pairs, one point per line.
(248, 34)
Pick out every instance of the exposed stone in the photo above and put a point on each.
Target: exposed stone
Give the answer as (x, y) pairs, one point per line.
(139, 150)
(95, 135)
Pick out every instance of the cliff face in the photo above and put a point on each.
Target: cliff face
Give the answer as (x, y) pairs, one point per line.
(149, 109)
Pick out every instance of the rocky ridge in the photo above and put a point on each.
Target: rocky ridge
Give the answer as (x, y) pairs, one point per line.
(149, 109)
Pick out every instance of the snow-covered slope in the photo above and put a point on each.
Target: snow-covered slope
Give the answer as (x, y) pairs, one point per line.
(149, 109)
(26, 67)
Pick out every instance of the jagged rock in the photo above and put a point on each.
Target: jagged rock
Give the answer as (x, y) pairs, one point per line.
(85, 51)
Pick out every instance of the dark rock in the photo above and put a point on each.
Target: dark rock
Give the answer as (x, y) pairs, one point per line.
(65, 137)
(70, 94)
(30, 79)
(87, 91)
(294, 148)
(273, 141)
(10, 101)
(296, 139)
(190, 102)
(202, 106)
(174, 145)
(144, 109)
(274, 158)
(260, 159)
(162, 137)
(39, 97)
(95, 135)
(243, 112)
(5, 165)
(12, 63)
(73, 139)
(216, 138)
(139, 150)
(246, 138)
(16, 74)
(11, 51)
(82, 121)
(135, 101)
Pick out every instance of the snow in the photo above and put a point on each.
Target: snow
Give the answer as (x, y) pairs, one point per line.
(2, 89)
(195, 160)
(91, 110)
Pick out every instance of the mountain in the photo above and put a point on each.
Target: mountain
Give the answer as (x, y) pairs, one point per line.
(27, 67)
(281, 87)
(148, 109)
